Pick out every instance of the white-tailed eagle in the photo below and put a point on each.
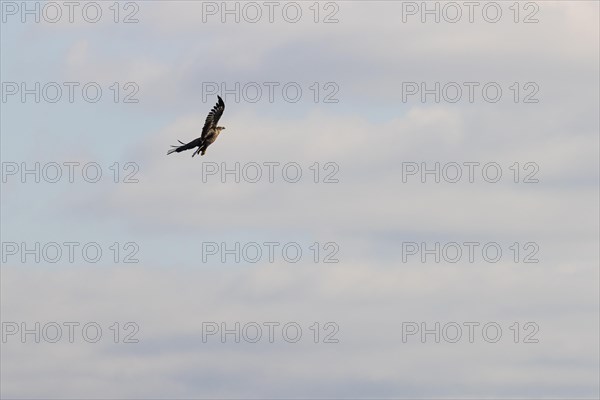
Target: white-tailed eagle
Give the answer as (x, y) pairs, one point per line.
(209, 132)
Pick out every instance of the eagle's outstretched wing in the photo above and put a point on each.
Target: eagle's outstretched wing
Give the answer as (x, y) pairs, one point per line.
(213, 117)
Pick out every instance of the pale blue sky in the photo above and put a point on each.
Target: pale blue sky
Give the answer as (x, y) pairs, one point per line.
(369, 213)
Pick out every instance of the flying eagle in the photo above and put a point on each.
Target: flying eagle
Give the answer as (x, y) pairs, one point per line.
(209, 132)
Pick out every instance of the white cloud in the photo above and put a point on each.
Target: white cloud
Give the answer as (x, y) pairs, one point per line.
(368, 134)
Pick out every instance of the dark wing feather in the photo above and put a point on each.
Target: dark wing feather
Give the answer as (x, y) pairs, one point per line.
(213, 117)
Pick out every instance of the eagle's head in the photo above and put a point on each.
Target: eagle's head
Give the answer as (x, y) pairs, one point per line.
(220, 128)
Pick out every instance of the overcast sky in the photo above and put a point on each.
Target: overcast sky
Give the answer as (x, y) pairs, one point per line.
(343, 93)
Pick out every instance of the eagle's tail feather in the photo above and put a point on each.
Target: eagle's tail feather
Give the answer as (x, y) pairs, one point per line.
(183, 147)
(177, 148)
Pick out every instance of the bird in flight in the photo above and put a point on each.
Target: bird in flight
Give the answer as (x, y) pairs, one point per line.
(209, 132)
